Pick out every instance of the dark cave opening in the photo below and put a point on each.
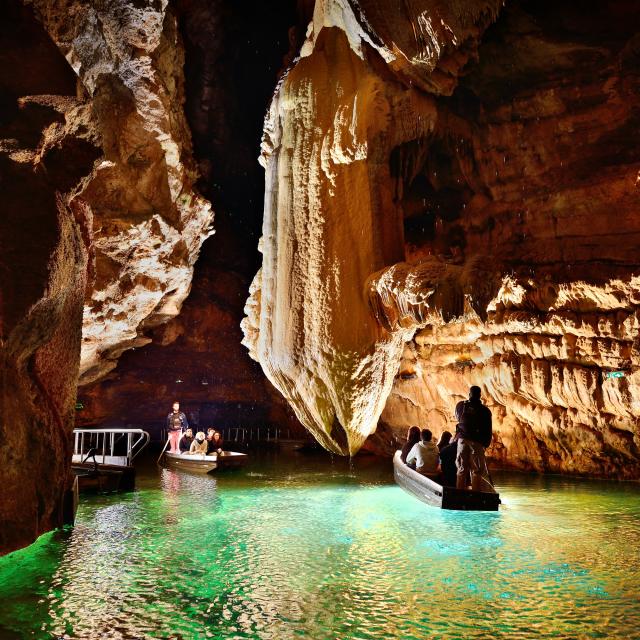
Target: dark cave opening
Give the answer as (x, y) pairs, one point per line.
(234, 53)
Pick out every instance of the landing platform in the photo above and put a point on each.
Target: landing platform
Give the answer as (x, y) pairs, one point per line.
(112, 461)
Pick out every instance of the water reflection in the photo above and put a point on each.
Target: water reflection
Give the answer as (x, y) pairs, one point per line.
(319, 549)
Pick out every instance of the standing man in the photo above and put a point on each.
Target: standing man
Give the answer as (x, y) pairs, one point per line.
(474, 435)
(176, 422)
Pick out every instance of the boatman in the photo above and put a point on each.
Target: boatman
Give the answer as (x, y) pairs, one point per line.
(474, 435)
(176, 422)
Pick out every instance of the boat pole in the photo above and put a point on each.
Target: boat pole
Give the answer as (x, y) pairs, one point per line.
(163, 450)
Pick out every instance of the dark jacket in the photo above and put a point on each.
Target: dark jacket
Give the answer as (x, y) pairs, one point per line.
(474, 421)
(405, 450)
(183, 421)
(212, 446)
(448, 466)
(185, 443)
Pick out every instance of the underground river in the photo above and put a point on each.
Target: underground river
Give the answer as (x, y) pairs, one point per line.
(306, 546)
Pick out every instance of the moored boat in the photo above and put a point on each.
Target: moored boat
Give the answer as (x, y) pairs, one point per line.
(430, 492)
(201, 463)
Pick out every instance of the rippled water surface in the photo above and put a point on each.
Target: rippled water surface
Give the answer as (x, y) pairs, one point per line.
(307, 547)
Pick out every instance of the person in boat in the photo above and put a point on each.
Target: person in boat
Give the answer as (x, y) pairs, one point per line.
(445, 439)
(214, 441)
(185, 442)
(425, 455)
(199, 444)
(448, 467)
(474, 431)
(176, 424)
(413, 437)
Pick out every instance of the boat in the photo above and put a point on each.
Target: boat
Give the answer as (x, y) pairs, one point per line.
(430, 492)
(202, 463)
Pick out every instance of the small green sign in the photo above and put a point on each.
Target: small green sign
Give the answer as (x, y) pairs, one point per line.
(614, 374)
(79, 406)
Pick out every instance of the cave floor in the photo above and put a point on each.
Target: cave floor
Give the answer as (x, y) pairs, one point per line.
(317, 547)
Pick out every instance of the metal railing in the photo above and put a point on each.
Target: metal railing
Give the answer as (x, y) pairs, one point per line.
(108, 442)
(254, 434)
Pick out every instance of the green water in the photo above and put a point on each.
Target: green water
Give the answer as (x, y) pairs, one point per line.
(303, 547)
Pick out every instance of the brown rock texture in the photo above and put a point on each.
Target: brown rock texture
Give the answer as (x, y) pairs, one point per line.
(458, 205)
(98, 204)
(149, 222)
(47, 146)
(197, 356)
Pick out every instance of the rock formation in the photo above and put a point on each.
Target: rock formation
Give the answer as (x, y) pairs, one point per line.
(149, 223)
(98, 205)
(331, 216)
(47, 147)
(197, 356)
(452, 202)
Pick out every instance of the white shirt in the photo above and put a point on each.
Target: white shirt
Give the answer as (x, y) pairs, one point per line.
(425, 455)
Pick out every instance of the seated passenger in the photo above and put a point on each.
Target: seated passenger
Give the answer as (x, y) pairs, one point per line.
(413, 436)
(199, 445)
(445, 439)
(185, 441)
(448, 466)
(214, 441)
(425, 455)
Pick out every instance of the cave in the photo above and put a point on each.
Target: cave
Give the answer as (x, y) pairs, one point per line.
(321, 222)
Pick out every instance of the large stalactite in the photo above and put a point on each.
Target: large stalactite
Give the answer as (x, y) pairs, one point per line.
(330, 215)
(506, 153)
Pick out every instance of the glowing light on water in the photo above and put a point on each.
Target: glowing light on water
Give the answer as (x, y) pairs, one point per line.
(319, 549)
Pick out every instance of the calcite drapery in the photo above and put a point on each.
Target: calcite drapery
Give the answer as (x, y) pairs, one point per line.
(149, 223)
(331, 218)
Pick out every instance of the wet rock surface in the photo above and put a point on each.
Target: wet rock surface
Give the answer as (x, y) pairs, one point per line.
(47, 148)
(149, 222)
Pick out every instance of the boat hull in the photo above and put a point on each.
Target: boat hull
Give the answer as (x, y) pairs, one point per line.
(434, 494)
(200, 463)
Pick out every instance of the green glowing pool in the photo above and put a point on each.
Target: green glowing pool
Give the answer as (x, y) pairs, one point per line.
(313, 548)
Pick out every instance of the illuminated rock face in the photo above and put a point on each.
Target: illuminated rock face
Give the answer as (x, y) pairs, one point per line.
(149, 223)
(197, 356)
(470, 221)
(332, 217)
(47, 147)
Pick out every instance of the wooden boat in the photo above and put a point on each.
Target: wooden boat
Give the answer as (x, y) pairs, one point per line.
(436, 495)
(201, 463)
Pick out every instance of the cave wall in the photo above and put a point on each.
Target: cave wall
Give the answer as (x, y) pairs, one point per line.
(149, 221)
(101, 222)
(452, 199)
(531, 179)
(47, 148)
(233, 55)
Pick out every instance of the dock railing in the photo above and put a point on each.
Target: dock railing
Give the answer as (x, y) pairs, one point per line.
(254, 434)
(109, 445)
